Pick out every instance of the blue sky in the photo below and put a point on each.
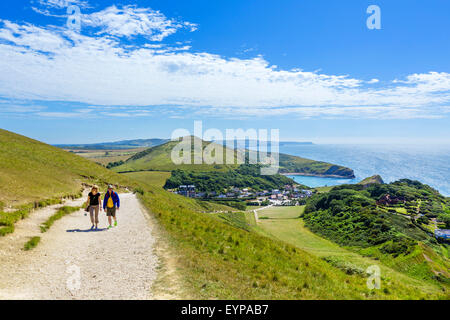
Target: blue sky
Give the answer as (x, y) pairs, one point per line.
(141, 69)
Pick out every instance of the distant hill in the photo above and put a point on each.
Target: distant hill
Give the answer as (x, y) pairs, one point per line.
(159, 159)
(125, 144)
(140, 143)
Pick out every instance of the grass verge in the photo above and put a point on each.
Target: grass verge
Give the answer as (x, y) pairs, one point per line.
(63, 211)
(9, 219)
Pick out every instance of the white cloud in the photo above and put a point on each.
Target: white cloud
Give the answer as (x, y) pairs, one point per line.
(130, 21)
(35, 38)
(8, 108)
(78, 113)
(59, 4)
(55, 64)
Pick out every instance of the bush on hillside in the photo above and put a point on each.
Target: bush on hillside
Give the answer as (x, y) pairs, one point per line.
(245, 176)
(352, 216)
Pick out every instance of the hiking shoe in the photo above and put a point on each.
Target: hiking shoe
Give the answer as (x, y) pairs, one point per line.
(115, 223)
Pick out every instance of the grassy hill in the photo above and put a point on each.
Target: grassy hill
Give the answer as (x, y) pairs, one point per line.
(34, 174)
(283, 223)
(31, 171)
(386, 221)
(159, 159)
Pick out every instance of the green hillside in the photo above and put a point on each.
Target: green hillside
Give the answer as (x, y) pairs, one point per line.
(386, 221)
(283, 223)
(31, 171)
(245, 176)
(159, 159)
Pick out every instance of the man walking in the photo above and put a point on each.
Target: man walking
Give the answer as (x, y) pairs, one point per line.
(111, 203)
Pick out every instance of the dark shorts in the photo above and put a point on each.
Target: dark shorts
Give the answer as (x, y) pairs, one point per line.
(111, 212)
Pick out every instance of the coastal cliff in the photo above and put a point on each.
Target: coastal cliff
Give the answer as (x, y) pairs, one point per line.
(294, 165)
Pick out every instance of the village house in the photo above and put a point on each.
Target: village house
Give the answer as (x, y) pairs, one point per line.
(187, 190)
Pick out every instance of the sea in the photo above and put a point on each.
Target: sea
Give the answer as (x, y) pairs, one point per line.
(429, 164)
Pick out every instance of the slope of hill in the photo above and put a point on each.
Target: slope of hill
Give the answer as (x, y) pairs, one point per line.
(222, 258)
(159, 159)
(383, 221)
(283, 223)
(31, 170)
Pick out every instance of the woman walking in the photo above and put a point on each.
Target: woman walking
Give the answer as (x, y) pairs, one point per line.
(95, 205)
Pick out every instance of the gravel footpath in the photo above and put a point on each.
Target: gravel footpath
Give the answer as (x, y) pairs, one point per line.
(72, 262)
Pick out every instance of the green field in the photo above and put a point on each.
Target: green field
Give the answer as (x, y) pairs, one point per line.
(283, 224)
(155, 178)
(104, 157)
(323, 189)
(281, 212)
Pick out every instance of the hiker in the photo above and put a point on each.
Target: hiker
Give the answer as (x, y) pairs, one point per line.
(111, 203)
(94, 203)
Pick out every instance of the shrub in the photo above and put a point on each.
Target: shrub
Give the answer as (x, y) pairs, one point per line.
(32, 243)
(139, 190)
(398, 246)
(114, 164)
(6, 230)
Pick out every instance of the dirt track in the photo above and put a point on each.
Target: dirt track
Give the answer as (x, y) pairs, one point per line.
(72, 262)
